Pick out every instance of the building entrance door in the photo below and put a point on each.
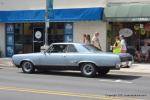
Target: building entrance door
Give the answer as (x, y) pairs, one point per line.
(38, 38)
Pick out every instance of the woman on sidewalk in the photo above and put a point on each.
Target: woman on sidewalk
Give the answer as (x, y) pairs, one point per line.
(123, 44)
(117, 45)
(95, 40)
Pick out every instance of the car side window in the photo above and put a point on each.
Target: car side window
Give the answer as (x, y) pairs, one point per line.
(61, 48)
(71, 48)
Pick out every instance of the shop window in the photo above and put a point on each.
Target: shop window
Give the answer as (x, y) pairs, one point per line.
(18, 38)
(28, 41)
(56, 32)
(9, 40)
(24, 36)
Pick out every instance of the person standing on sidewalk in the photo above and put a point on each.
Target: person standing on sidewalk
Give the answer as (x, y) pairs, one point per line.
(88, 39)
(117, 45)
(95, 40)
(123, 44)
(84, 38)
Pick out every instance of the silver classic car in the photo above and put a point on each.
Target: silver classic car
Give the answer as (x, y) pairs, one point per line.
(73, 56)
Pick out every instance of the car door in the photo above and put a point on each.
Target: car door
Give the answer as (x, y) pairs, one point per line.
(71, 57)
(54, 56)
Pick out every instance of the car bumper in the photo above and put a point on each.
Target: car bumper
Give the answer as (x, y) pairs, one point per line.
(126, 64)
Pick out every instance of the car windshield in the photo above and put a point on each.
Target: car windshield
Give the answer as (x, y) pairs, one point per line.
(92, 48)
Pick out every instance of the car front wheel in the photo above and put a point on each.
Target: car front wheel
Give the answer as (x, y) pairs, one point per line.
(27, 67)
(88, 70)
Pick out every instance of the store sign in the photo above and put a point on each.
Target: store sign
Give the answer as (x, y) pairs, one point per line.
(142, 31)
(147, 27)
(38, 34)
(140, 19)
(9, 40)
(128, 19)
(50, 4)
(10, 28)
(126, 32)
(68, 28)
(136, 27)
(10, 51)
(68, 36)
(50, 8)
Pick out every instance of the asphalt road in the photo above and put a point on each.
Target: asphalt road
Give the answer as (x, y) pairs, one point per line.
(15, 85)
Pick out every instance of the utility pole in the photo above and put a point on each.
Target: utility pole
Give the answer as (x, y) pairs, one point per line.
(48, 14)
(46, 24)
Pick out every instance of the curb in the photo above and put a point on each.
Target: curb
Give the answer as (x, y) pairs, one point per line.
(122, 71)
(6, 62)
(6, 65)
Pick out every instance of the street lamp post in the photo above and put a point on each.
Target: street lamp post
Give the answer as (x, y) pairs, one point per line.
(46, 23)
(48, 14)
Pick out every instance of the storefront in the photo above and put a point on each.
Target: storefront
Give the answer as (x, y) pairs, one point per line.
(134, 32)
(23, 28)
(132, 21)
(29, 37)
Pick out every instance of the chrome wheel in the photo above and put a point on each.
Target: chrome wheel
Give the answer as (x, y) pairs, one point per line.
(88, 70)
(27, 67)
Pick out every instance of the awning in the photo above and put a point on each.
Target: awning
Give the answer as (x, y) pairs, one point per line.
(60, 15)
(22, 16)
(130, 12)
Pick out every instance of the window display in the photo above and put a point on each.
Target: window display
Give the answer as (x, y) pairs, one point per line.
(135, 34)
(9, 40)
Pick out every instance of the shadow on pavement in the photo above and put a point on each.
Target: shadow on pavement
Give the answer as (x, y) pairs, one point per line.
(60, 73)
(78, 74)
(122, 77)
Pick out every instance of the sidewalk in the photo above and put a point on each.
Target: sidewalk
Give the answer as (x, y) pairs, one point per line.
(6, 62)
(137, 68)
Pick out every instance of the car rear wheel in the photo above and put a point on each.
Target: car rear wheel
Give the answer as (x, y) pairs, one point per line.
(27, 67)
(88, 70)
(103, 71)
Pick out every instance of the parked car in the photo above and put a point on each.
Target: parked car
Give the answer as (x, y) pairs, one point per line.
(73, 56)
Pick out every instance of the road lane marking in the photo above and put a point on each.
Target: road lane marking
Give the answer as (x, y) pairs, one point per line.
(116, 81)
(61, 93)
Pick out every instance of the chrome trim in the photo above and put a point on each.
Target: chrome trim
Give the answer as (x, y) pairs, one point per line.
(126, 64)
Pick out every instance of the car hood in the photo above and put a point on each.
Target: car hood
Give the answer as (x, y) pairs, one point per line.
(28, 54)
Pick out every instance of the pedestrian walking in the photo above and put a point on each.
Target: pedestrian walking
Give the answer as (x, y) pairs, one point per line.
(84, 38)
(95, 40)
(88, 39)
(123, 44)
